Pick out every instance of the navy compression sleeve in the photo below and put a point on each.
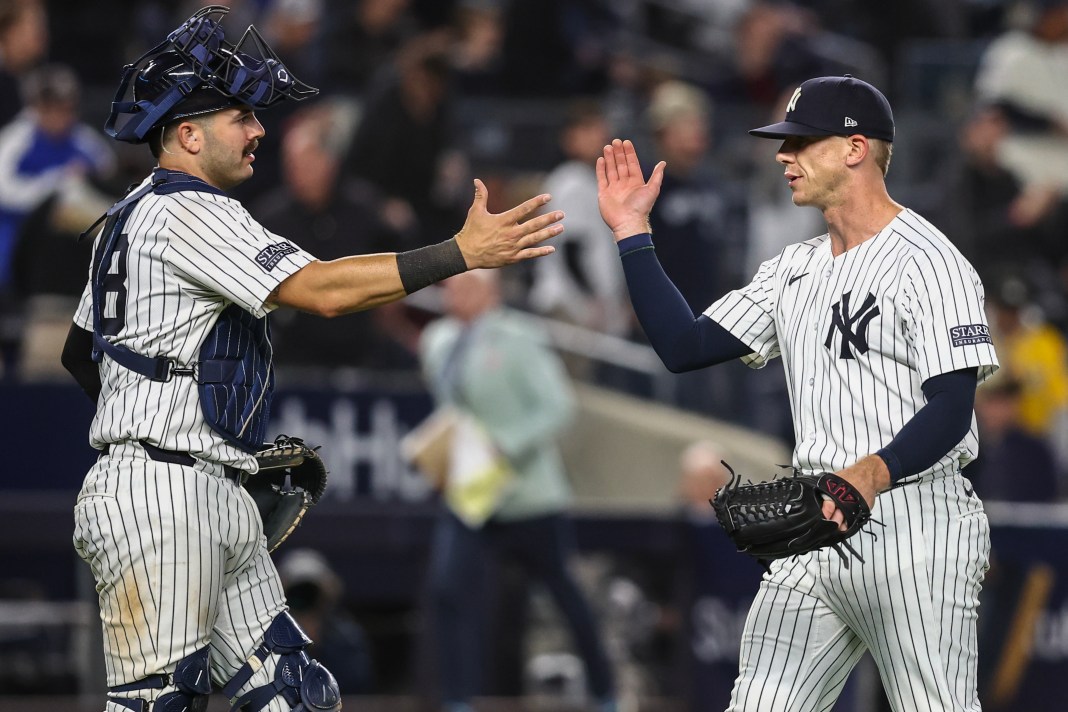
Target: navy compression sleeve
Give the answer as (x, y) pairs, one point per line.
(682, 342)
(937, 427)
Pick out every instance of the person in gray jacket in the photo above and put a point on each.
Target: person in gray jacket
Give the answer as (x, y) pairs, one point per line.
(494, 365)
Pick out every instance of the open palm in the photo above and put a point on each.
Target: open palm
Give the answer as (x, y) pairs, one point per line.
(623, 196)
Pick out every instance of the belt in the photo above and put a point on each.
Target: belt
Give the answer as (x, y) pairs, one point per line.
(179, 457)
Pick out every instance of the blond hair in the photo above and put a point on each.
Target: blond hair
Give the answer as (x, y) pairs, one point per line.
(881, 152)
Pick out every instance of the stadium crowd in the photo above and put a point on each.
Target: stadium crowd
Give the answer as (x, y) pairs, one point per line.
(419, 96)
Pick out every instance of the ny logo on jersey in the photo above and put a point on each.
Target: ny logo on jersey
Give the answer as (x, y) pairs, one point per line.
(854, 327)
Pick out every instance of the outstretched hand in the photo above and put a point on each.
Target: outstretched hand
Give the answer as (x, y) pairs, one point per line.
(623, 196)
(497, 239)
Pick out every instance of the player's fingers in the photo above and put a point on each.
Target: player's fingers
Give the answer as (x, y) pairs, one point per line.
(481, 196)
(521, 211)
(533, 238)
(610, 172)
(657, 177)
(602, 179)
(531, 252)
(621, 159)
(541, 221)
(833, 514)
(630, 156)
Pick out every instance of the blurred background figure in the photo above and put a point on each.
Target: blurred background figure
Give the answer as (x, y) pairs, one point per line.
(1034, 354)
(695, 204)
(23, 43)
(333, 215)
(584, 285)
(314, 593)
(494, 365)
(775, 48)
(1022, 78)
(48, 159)
(295, 30)
(707, 607)
(403, 143)
(362, 38)
(557, 47)
(998, 221)
(702, 474)
(701, 223)
(1024, 74)
(1013, 464)
(477, 52)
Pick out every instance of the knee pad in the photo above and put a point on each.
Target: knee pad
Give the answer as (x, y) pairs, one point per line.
(301, 681)
(191, 683)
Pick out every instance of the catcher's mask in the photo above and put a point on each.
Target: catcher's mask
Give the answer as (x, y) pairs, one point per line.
(196, 71)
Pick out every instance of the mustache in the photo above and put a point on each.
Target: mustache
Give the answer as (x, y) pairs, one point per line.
(252, 147)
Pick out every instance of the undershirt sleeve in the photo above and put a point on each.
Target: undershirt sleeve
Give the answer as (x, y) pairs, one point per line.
(683, 342)
(937, 427)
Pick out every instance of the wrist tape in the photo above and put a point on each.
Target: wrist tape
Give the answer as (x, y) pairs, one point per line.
(426, 265)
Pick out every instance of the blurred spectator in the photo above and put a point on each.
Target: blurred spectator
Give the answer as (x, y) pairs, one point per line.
(402, 144)
(333, 216)
(996, 220)
(494, 366)
(294, 29)
(46, 154)
(557, 47)
(774, 50)
(363, 37)
(314, 594)
(1013, 464)
(1035, 354)
(584, 283)
(477, 55)
(701, 224)
(888, 27)
(1024, 74)
(23, 43)
(700, 221)
(702, 474)
(705, 600)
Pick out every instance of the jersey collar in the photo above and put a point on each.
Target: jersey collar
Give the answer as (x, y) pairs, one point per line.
(166, 181)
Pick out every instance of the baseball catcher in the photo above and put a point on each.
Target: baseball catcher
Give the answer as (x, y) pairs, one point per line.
(292, 478)
(784, 517)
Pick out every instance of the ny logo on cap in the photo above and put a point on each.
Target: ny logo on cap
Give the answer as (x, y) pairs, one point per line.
(793, 100)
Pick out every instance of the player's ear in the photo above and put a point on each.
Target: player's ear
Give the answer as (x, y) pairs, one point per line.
(190, 136)
(858, 149)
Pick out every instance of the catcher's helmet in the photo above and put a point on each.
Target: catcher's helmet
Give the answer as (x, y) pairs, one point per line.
(196, 71)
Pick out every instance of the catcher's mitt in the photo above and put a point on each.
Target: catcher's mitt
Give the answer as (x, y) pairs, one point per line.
(784, 517)
(291, 479)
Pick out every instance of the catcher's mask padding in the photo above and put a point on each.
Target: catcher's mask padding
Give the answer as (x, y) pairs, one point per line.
(302, 681)
(196, 58)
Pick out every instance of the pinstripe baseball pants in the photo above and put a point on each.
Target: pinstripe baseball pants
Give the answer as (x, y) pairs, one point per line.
(913, 603)
(180, 562)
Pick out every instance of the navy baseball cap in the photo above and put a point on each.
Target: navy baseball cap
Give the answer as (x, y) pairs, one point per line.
(834, 106)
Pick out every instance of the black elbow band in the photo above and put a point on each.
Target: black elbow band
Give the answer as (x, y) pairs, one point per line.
(427, 265)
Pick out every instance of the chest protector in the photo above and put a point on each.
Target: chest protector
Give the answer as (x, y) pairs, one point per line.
(234, 372)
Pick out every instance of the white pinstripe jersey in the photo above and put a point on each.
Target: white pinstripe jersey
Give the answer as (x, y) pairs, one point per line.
(859, 333)
(191, 254)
